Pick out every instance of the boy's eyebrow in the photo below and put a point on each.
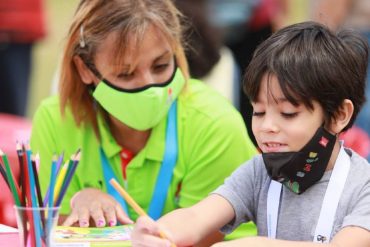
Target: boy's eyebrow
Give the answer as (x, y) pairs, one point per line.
(278, 100)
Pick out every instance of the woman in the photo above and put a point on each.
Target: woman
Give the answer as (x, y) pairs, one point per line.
(127, 102)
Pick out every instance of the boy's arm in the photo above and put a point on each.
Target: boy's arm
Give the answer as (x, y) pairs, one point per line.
(347, 237)
(185, 226)
(352, 236)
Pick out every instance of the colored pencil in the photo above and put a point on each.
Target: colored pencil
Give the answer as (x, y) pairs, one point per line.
(3, 174)
(55, 163)
(60, 179)
(53, 175)
(68, 178)
(11, 180)
(37, 183)
(36, 215)
(22, 182)
(60, 161)
(38, 191)
(28, 201)
(37, 161)
(133, 204)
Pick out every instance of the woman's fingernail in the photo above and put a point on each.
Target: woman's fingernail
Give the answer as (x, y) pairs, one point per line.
(101, 223)
(83, 223)
(112, 223)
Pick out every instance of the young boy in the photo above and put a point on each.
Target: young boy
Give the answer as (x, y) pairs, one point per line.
(306, 85)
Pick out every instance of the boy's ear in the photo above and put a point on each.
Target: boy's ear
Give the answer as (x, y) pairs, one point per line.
(85, 73)
(342, 116)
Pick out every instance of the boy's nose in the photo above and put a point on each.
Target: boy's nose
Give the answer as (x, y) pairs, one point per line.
(268, 124)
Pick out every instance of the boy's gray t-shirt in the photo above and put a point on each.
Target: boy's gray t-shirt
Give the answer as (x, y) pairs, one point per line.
(246, 190)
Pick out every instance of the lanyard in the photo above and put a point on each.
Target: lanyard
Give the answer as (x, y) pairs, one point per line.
(329, 206)
(165, 173)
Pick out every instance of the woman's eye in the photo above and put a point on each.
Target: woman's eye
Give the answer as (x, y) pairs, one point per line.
(161, 67)
(258, 114)
(125, 75)
(289, 115)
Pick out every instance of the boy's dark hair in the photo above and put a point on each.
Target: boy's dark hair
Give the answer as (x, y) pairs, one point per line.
(312, 63)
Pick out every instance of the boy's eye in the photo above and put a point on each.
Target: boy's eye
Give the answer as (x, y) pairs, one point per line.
(289, 115)
(257, 114)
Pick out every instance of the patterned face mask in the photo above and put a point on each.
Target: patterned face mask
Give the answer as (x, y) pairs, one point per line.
(300, 170)
(141, 108)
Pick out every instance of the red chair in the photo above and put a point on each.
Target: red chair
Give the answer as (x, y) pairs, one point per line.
(12, 129)
(357, 139)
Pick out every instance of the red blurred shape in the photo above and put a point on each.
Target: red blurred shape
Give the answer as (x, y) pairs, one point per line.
(12, 129)
(358, 140)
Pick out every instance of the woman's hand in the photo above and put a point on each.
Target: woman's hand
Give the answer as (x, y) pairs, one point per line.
(102, 208)
(147, 233)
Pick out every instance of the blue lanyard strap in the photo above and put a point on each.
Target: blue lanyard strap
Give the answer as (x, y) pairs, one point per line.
(108, 175)
(168, 164)
(165, 173)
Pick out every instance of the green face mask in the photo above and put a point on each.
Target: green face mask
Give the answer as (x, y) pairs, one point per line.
(142, 108)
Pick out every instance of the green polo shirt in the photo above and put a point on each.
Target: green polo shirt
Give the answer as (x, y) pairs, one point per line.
(212, 142)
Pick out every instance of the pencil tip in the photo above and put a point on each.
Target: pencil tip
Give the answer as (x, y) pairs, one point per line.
(55, 157)
(18, 146)
(78, 156)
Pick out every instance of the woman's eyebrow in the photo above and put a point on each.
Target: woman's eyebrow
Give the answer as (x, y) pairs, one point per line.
(128, 67)
(163, 55)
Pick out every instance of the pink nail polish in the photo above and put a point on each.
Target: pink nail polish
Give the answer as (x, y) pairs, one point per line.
(83, 223)
(101, 223)
(112, 223)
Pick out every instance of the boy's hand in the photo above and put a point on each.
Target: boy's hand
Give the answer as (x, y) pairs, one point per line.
(102, 208)
(147, 233)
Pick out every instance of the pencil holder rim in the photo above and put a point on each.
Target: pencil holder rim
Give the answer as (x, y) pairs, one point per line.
(35, 208)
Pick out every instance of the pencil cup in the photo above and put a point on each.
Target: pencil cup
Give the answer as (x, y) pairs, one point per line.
(36, 225)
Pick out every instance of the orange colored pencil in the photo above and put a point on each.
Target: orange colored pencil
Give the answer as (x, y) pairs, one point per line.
(133, 204)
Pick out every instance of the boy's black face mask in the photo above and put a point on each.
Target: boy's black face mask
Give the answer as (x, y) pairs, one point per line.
(300, 170)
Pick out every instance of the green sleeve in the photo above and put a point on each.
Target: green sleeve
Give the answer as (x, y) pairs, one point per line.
(43, 142)
(216, 148)
(50, 136)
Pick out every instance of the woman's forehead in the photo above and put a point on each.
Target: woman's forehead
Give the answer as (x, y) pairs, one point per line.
(151, 43)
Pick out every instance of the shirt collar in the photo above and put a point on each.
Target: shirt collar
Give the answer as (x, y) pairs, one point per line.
(107, 141)
(154, 149)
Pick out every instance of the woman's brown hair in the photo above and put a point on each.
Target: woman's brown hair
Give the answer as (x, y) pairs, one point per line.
(93, 21)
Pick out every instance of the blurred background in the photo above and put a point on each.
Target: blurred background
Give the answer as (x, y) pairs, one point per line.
(47, 52)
